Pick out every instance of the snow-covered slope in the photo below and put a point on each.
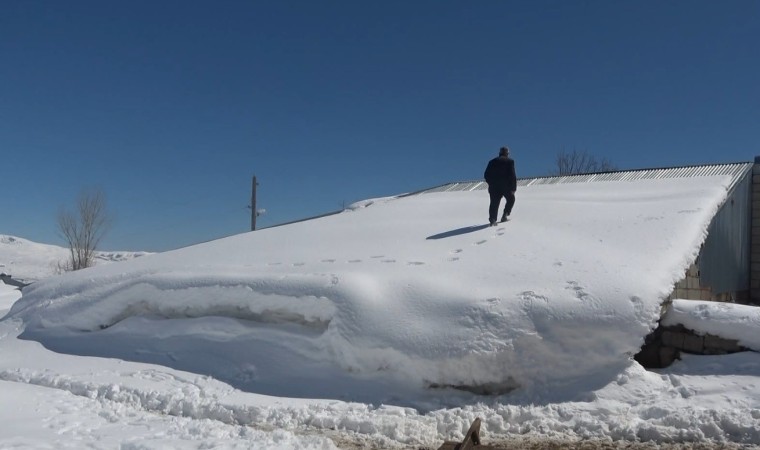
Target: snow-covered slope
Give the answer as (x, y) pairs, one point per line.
(400, 294)
(30, 261)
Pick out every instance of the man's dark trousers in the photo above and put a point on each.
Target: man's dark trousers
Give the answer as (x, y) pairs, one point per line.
(496, 195)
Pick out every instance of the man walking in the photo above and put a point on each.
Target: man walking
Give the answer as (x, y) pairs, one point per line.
(502, 182)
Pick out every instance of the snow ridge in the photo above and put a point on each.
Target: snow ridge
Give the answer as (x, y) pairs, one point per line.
(201, 398)
(298, 299)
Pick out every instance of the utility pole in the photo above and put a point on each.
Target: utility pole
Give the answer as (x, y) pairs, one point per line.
(254, 212)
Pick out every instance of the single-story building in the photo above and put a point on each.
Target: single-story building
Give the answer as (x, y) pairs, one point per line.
(728, 267)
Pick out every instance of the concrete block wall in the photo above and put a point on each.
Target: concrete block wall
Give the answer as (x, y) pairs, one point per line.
(690, 288)
(665, 345)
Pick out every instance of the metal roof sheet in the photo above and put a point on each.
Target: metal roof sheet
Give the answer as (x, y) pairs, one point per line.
(735, 170)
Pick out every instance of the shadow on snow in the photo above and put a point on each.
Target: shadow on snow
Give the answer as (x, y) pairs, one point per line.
(458, 232)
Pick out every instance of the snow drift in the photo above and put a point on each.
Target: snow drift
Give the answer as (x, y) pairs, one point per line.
(400, 294)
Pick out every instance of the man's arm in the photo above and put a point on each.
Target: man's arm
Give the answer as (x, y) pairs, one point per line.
(489, 169)
(513, 178)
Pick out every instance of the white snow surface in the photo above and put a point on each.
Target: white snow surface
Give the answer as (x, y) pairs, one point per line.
(355, 327)
(30, 261)
(8, 296)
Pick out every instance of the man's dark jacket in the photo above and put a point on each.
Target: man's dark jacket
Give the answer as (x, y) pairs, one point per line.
(500, 174)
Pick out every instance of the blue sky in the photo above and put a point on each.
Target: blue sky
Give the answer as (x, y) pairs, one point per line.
(172, 106)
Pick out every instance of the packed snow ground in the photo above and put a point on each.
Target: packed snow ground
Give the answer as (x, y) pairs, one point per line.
(356, 326)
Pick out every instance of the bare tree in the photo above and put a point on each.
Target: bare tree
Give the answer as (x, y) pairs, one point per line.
(84, 228)
(576, 162)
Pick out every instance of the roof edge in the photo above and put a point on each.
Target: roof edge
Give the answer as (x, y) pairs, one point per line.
(735, 170)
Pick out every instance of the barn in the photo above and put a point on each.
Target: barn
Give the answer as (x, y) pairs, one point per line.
(726, 269)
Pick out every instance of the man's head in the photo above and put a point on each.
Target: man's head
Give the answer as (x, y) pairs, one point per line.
(504, 151)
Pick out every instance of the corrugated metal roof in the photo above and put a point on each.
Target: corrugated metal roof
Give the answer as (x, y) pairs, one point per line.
(734, 170)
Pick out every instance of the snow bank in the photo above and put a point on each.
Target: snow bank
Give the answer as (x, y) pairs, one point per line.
(726, 320)
(403, 293)
(699, 399)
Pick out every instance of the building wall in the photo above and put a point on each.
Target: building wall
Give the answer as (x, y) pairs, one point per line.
(728, 266)
(725, 256)
(755, 235)
(691, 287)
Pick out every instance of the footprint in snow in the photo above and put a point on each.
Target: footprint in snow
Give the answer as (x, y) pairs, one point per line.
(580, 292)
(328, 261)
(481, 242)
(454, 259)
(298, 264)
(354, 261)
(415, 263)
(459, 250)
(389, 261)
(153, 375)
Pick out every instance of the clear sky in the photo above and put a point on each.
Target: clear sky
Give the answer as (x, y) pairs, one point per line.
(172, 106)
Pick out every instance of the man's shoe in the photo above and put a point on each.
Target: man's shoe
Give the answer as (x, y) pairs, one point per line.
(504, 218)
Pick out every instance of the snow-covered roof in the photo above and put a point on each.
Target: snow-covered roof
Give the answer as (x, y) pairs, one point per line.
(401, 293)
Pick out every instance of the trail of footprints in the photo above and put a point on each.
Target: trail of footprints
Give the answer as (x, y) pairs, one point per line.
(455, 255)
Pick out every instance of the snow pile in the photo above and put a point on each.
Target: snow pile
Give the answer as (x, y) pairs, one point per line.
(76, 402)
(400, 294)
(726, 320)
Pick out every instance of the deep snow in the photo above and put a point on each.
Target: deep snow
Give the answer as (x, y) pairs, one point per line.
(392, 303)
